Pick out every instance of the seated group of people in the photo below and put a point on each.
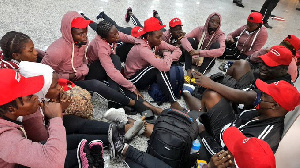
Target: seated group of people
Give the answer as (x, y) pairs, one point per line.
(241, 111)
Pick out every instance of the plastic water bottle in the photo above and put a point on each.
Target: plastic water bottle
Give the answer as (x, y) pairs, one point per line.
(196, 146)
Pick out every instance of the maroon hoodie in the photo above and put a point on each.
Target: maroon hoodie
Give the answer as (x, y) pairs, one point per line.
(209, 39)
(63, 55)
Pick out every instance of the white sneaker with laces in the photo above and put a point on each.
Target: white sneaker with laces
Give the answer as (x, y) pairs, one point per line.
(116, 115)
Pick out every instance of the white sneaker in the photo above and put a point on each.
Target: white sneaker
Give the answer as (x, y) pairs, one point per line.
(116, 115)
(135, 129)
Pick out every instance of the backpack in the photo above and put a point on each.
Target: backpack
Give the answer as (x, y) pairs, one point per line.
(172, 138)
(176, 78)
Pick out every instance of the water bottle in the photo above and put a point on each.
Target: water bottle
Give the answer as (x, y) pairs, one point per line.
(196, 146)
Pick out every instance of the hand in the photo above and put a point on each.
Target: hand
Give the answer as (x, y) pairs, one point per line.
(137, 93)
(72, 76)
(230, 39)
(64, 100)
(52, 109)
(194, 52)
(201, 128)
(221, 160)
(267, 49)
(28, 105)
(202, 80)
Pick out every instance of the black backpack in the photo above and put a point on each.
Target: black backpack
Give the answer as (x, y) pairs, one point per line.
(172, 138)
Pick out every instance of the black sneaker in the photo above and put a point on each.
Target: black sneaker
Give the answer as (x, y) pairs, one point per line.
(96, 148)
(268, 26)
(116, 140)
(84, 157)
(239, 4)
(128, 14)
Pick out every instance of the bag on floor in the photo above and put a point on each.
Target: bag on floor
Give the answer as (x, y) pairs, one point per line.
(172, 138)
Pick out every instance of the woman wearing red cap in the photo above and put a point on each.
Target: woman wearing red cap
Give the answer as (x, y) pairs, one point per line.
(246, 40)
(144, 66)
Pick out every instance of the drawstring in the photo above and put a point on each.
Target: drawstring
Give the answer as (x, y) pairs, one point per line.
(247, 40)
(72, 59)
(254, 39)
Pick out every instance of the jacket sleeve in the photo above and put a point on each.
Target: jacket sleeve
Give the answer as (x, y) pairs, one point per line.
(215, 52)
(260, 41)
(210, 144)
(34, 127)
(162, 64)
(17, 149)
(193, 34)
(126, 38)
(54, 61)
(236, 33)
(111, 71)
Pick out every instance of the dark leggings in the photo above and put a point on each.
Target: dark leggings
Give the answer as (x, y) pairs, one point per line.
(139, 159)
(149, 75)
(208, 62)
(267, 9)
(105, 91)
(77, 129)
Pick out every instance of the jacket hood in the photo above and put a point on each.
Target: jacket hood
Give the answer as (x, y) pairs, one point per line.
(7, 125)
(65, 28)
(218, 31)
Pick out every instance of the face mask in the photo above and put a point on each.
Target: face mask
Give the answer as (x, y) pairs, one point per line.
(79, 44)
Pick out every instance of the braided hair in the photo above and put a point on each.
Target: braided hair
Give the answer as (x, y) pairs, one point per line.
(13, 42)
(5, 108)
(103, 28)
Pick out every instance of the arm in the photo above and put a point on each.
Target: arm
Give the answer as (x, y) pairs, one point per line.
(176, 52)
(234, 95)
(16, 149)
(256, 54)
(215, 52)
(54, 61)
(126, 38)
(260, 41)
(111, 71)
(82, 71)
(236, 33)
(162, 64)
(34, 127)
(193, 34)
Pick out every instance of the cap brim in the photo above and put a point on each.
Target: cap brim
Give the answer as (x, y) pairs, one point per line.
(31, 85)
(268, 61)
(231, 137)
(262, 86)
(84, 24)
(137, 32)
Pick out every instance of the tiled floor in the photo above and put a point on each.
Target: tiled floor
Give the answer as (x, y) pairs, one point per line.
(40, 19)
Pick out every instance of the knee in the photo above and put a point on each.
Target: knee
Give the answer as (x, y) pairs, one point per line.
(210, 95)
(215, 45)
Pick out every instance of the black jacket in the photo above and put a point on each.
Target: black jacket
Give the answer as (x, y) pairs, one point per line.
(269, 130)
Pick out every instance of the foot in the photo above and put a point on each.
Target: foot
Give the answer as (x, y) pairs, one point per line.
(100, 15)
(128, 14)
(268, 26)
(116, 115)
(188, 88)
(177, 106)
(240, 4)
(96, 148)
(134, 130)
(84, 157)
(116, 141)
(155, 14)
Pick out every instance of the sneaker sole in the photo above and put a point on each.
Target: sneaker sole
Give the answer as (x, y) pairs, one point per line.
(111, 144)
(78, 153)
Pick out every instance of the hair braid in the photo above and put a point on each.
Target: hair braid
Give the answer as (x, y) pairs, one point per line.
(13, 42)
(103, 28)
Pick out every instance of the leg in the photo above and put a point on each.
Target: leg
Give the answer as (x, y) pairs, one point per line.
(192, 102)
(105, 91)
(135, 21)
(142, 159)
(125, 30)
(188, 57)
(208, 62)
(123, 50)
(239, 69)
(96, 71)
(92, 25)
(71, 159)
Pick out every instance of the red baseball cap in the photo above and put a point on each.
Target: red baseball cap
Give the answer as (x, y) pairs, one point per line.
(150, 25)
(175, 22)
(14, 85)
(80, 23)
(278, 55)
(255, 17)
(248, 152)
(294, 41)
(136, 31)
(285, 94)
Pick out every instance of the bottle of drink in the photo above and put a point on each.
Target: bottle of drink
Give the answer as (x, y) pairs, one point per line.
(196, 146)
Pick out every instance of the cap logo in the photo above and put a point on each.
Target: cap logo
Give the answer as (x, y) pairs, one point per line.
(276, 83)
(275, 52)
(17, 77)
(141, 29)
(246, 140)
(175, 20)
